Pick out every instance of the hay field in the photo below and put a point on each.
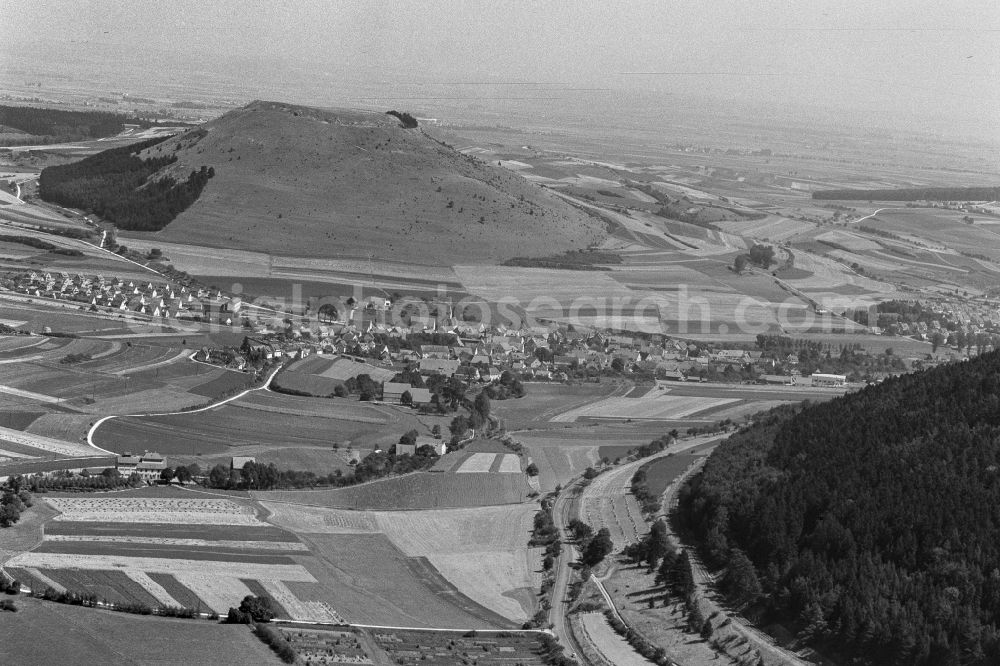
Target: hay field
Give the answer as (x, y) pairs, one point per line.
(153, 510)
(658, 405)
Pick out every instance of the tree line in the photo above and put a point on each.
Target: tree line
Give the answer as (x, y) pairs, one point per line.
(914, 194)
(867, 523)
(119, 186)
(62, 125)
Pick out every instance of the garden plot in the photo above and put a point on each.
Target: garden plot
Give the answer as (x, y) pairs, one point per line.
(153, 510)
(655, 405)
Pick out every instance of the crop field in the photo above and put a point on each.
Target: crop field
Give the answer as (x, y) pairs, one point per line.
(940, 227)
(490, 462)
(384, 586)
(205, 554)
(526, 284)
(416, 648)
(342, 409)
(545, 400)
(227, 382)
(343, 369)
(43, 446)
(773, 227)
(456, 542)
(657, 405)
(421, 490)
(46, 633)
(152, 510)
(558, 464)
(608, 502)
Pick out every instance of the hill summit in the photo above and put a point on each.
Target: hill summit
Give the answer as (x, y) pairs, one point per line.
(310, 182)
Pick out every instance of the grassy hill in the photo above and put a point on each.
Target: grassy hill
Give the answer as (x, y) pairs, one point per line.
(299, 181)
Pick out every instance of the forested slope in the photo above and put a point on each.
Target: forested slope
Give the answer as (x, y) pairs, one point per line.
(873, 521)
(119, 185)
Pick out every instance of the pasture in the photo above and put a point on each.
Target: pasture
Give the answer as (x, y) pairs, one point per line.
(420, 490)
(42, 632)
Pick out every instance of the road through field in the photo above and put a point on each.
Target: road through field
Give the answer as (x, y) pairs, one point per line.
(97, 424)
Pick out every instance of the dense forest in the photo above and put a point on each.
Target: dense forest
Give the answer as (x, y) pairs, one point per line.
(62, 125)
(914, 194)
(871, 520)
(116, 185)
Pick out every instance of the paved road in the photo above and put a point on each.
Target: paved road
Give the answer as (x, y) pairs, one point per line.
(563, 510)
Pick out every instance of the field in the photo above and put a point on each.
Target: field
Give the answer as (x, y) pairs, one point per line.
(170, 550)
(47, 633)
(456, 542)
(266, 421)
(615, 649)
(655, 405)
(543, 400)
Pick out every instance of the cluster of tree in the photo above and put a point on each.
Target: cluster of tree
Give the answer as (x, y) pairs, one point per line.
(640, 489)
(849, 359)
(868, 521)
(545, 533)
(60, 125)
(73, 359)
(408, 121)
(914, 194)
(109, 479)
(653, 547)
(30, 241)
(508, 386)
(653, 653)
(274, 640)
(759, 255)
(553, 653)
(253, 609)
(116, 184)
(14, 500)
(589, 260)
(593, 547)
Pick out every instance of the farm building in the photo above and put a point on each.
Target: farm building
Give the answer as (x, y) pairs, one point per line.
(237, 463)
(148, 465)
(821, 379)
(446, 367)
(392, 393)
(439, 447)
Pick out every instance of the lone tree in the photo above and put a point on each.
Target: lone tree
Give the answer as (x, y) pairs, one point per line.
(740, 262)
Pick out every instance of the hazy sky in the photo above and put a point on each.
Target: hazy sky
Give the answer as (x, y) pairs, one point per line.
(920, 61)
